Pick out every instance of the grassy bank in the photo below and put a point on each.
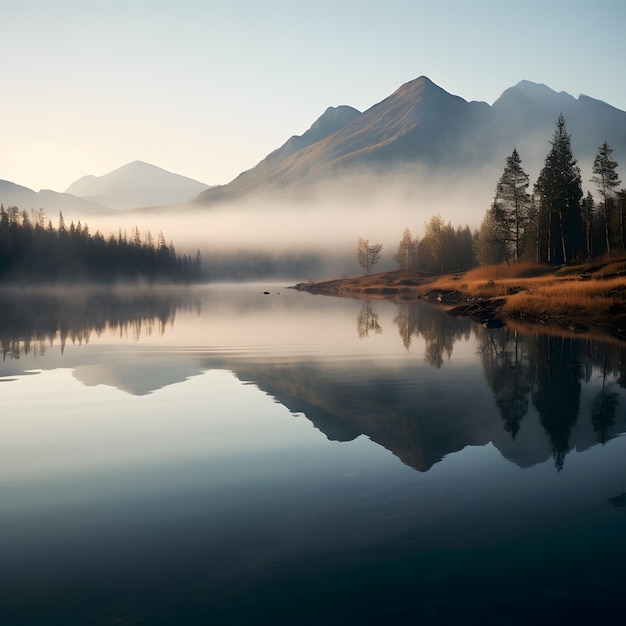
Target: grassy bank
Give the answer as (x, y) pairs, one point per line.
(579, 298)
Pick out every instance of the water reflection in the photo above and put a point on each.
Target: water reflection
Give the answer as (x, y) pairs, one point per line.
(543, 369)
(506, 364)
(439, 331)
(368, 320)
(31, 320)
(604, 407)
(550, 372)
(209, 500)
(544, 395)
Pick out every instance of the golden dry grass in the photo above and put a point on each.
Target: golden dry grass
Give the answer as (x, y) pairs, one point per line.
(586, 294)
(591, 293)
(563, 297)
(526, 284)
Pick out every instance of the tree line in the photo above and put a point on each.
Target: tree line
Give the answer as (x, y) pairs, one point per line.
(555, 223)
(34, 251)
(441, 250)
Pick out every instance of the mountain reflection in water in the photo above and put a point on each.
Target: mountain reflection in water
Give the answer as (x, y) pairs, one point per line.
(156, 466)
(551, 393)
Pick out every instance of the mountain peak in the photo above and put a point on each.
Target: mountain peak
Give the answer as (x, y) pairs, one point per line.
(333, 119)
(536, 94)
(136, 184)
(139, 165)
(416, 87)
(530, 88)
(329, 122)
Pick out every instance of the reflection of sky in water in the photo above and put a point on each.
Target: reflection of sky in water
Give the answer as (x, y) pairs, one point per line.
(136, 474)
(67, 427)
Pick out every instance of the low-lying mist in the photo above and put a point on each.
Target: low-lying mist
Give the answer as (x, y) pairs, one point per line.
(311, 233)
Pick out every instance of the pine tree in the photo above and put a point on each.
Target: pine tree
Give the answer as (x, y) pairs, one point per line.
(559, 192)
(511, 203)
(621, 203)
(587, 207)
(606, 180)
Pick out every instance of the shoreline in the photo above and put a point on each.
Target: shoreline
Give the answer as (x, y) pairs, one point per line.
(578, 300)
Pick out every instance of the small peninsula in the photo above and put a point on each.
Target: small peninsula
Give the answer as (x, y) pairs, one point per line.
(587, 298)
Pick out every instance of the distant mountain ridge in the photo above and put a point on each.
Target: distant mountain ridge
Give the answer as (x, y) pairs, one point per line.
(51, 201)
(135, 185)
(420, 130)
(422, 124)
(132, 186)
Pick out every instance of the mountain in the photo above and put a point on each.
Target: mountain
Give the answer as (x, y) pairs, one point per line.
(525, 115)
(131, 186)
(422, 125)
(135, 185)
(51, 201)
(331, 121)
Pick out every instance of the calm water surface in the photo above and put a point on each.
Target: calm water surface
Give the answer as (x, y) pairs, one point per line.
(218, 456)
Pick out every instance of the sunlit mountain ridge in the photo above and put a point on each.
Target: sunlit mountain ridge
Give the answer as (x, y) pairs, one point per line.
(420, 140)
(421, 128)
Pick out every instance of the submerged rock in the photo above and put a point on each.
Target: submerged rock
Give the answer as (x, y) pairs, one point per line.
(493, 323)
(484, 312)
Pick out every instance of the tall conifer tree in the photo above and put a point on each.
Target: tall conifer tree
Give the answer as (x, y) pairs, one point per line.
(606, 181)
(559, 192)
(511, 203)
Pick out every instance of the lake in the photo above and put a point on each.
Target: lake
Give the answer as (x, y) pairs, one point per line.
(217, 455)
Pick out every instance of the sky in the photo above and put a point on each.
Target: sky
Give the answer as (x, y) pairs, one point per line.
(207, 89)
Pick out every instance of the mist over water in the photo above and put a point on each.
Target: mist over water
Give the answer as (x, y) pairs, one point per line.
(308, 230)
(312, 229)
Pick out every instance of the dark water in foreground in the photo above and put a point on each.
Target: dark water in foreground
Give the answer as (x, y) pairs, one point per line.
(216, 456)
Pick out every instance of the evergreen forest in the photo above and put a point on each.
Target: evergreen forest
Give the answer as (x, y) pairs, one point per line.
(33, 252)
(555, 223)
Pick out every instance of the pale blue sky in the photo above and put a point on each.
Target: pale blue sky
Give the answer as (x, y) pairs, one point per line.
(207, 89)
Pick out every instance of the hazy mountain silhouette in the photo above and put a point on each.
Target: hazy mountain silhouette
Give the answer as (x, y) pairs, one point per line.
(135, 185)
(422, 124)
(52, 201)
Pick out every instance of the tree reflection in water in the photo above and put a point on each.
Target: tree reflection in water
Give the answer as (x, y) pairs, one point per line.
(550, 371)
(520, 368)
(439, 331)
(538, 375)
(559, 373)
(604, 406)
(33, 319)
(506, 365)
(368, 320)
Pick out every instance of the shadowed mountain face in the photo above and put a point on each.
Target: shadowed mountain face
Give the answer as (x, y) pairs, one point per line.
(421, 124)
(136, 184)
(525, 115)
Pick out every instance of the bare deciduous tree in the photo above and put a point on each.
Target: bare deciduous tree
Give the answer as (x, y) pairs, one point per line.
(368, 254)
